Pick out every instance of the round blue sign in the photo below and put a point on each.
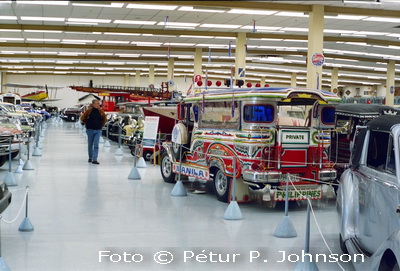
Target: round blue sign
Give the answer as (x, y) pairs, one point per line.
(318, 59)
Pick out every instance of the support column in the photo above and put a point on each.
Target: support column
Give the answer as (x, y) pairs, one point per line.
(137, 79)
(170, 69)
(262, 81)
(390, 83)
(240, 56)
(198, 62)
(293, 80)
(3, 80)
(334, 80)
(315, 45)
(151, 75)
(126, 80)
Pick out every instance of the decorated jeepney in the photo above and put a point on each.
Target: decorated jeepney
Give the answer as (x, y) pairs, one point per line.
(266, 132)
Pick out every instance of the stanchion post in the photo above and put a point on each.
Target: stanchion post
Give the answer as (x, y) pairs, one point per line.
(107, 142)
(9, 179)
(119, 150)
(28, 164)
(307, 263)
(179, 190)
(285, 228)
(36, 151)
(134, 174)
(233, 211)
(26, 224)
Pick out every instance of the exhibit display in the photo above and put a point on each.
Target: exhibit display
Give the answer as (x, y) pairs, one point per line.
(242, 126)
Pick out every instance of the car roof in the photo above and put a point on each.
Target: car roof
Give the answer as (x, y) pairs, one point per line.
(384, 123)
(364, 109)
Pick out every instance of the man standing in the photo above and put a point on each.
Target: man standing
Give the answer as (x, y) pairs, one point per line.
(94, 118)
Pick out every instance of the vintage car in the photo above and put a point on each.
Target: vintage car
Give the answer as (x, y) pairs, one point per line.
(348, 117)
(9, 130)
(368, 197)
(71, 114)
(218, 128)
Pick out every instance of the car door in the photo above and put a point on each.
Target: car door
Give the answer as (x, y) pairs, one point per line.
(378, 192)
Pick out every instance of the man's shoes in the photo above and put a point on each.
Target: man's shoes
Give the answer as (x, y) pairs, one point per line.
(90, 160)
(96, 162)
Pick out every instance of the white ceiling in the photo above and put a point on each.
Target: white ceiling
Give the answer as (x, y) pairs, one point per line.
(372, 39)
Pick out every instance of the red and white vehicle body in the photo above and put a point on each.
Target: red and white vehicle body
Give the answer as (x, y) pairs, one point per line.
(256, 129)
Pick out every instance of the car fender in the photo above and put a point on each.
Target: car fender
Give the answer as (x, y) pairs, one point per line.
(167, 147)
(348, 204)
(373, 262)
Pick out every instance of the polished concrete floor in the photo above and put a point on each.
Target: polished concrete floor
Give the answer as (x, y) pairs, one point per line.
(92, 217)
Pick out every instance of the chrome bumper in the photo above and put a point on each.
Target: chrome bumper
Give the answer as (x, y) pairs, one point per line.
(262, 176)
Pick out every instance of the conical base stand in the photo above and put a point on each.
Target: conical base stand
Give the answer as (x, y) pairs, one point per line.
(134, 174)
(179, 190)
(28, 165)
(101, 140)
(37, 152)
(19, 169)
(10, 180)
(21, 162)
(107, 143)
(233, 212)
(119, 152)
(306, 266)
(141, 163)
(26, 225)
(285, 228)
(330, 192)
(3, 265)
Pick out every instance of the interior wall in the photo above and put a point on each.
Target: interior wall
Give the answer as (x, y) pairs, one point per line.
(70, 97)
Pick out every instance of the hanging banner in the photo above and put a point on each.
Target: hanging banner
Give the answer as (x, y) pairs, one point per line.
(150, 131)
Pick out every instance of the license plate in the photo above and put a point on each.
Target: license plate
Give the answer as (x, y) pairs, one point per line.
(300, 194)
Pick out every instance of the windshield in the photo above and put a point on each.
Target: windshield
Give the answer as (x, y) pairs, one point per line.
(289, 115)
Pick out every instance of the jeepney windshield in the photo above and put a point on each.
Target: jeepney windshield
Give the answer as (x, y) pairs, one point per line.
(132, 109)
(220, 115)
(289, 115)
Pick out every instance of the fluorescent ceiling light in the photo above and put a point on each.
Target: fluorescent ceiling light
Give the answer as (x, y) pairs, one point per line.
(157, 7)
(346, 17)
(43, 31)
(128, 55)
(295, 40)
(91, 62)
(382, 19)
(85, 20)
(154, 55)
(180, 27)
(178, 24)
(84, 41)
(100, 54)
(198, 9)
(220, 25)
(10, 30)
(211, 45)
(121, 34)
(260, 27)
(71, 53)
(291, 14)
(112, 5)
(196, 37)
(60, 3)
(114, 63)
(353, 35)
(8, 17)
(225, 38)
(135, 22)
(146, 43)
(252, 11)
(361, 2)
(338, 31)
(31, 39)
(179, 44)
(15, 39)
(52, 19)
(14, 52)
(163, 36)
(393, 35)
(371, 33)
(44, 52)
(295, 29)
(113, 41)
(82, 24)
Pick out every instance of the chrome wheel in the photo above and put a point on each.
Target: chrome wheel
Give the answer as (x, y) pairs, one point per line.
(166, 166)
(221, 185)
